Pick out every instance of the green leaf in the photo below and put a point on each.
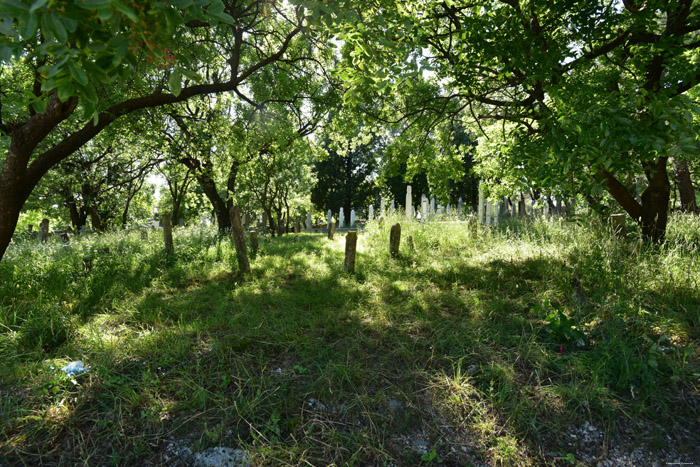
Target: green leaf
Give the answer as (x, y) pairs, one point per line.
(104, 13)
(78, 74)
(29, 26)
(36, 5)
(94, 4)
(12, 8)
(6, 27)
(65, 91)
(39, 106)
(126, 11)
(175, 82)
(180, 3)
(56, 27)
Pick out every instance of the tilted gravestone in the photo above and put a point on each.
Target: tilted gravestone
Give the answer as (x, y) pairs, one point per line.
(44, 230)
(254, 241)
(394, 240)
(350, 250)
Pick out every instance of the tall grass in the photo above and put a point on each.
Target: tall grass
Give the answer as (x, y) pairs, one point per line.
(495, 340)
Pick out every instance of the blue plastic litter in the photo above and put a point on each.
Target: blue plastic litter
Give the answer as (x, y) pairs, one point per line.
(75, 368)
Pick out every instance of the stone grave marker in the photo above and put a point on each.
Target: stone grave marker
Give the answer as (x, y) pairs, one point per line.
(350, 250)
(409, 202)
(395, 240)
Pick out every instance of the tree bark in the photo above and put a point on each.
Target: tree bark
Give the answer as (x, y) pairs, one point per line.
(652, 213)
(685, 186)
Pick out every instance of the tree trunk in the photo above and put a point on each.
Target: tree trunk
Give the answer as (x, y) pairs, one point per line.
(652, 213)
(10, 207)
(685, 186)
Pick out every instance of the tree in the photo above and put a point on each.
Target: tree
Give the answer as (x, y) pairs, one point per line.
(345, 176)
(68, 73)
(585, 96)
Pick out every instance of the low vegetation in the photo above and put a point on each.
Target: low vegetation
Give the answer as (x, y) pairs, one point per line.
(475, 346)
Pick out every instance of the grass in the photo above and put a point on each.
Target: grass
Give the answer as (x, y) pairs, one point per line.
(496, 342)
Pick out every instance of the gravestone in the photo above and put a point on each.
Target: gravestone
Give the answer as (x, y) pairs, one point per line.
(488, 212)
(352, 218)
(330, 220)
(44, 230)
(617, 222)
(331, 230)
(409, 202)
(168, 234)
(350, 250)
(439, 210)
(341, 218)
(447, 210)
(432, 206)
(371, 212)
(382, 208)
(413, 212)
(480, 209)
(308, 221)
(239, 239)
(254, 241)
(460, 206)
(409, 242)
(424, 206)
(87, 264)
(393, 207)
(394, 240)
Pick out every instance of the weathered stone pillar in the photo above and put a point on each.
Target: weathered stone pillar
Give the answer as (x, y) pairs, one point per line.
(254, 241)
(352, 218)
(308, 221)
(168, 234)
(395, 240)
(371, 212)
(331, 230)
(480, 208)
(44, 230)
(239, 239)
(409, 201)
(617, 222)
(350, 250)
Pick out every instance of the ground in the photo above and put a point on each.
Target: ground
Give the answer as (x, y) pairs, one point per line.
(530, 343)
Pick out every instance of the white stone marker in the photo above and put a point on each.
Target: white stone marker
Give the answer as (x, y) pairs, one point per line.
(460, 206)
(382, 208)
(424, 207)
(371, 212)
(308, 221)
(439, 210)
(409, 202)
(432, 206)
(352, 218)
(447, 210)
(393, 207)
(341, 218)
(481, 202)
(330, 219)
(488, 211)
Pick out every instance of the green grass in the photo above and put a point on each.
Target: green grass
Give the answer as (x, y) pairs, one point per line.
(464, 334)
